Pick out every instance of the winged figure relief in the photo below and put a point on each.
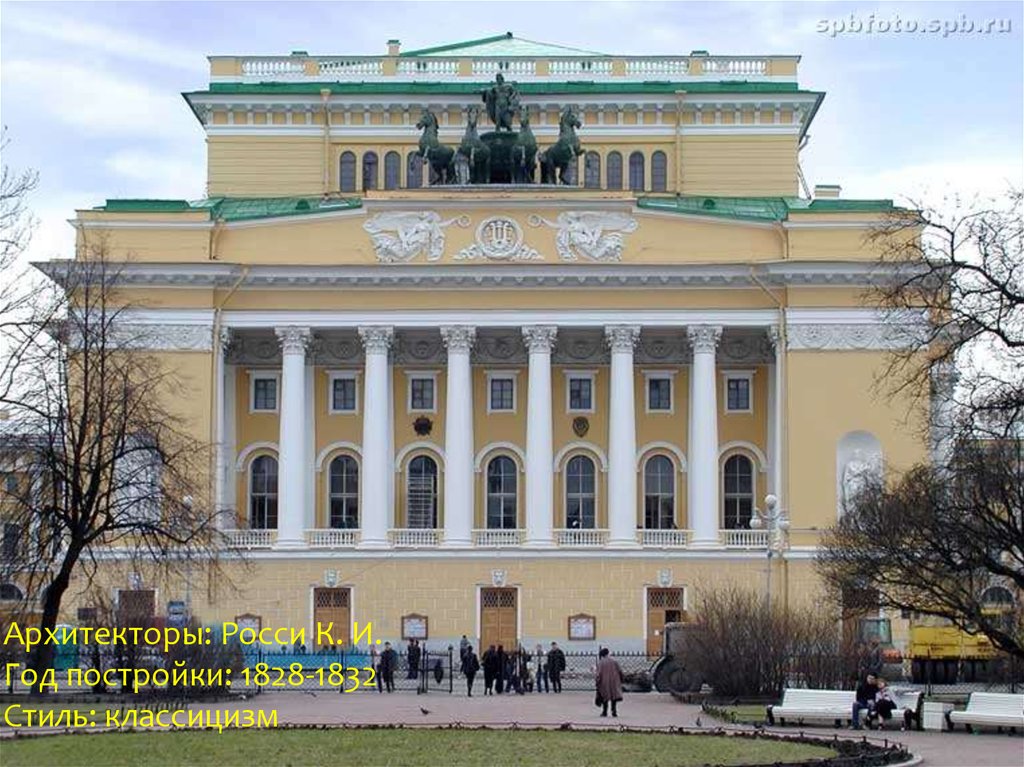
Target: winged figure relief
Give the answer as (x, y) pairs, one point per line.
(398, 237)
(593, 235)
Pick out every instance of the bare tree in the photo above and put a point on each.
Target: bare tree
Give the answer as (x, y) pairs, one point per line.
(110, 471)
(937, 539)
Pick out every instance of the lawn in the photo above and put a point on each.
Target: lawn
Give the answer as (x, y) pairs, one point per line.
(398, 747)
(753, 713)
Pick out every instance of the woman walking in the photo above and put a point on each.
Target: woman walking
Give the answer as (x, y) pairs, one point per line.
(609, 682)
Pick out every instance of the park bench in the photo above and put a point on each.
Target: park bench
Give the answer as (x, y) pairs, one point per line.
(822, 705)
(995, 709)
(908, 708)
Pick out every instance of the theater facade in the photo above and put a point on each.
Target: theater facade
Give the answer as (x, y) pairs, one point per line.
(450, 399)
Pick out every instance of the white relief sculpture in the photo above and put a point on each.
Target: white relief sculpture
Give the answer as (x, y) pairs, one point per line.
(595, 235)
(499, 238)
(399, 237)
(859, 473)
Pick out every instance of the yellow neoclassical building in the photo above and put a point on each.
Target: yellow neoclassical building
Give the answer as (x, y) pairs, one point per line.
(525, 412)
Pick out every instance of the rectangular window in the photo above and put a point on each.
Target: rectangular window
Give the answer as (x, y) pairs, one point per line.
(264, 394)
(659, 394)
(502, 395)
(581, 394)
(421, 394)
(738, 394)
(343, 395)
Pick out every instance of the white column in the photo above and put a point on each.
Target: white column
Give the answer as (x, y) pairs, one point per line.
(458, 438)
(775, 401)
(309, 465)
(390, 473)
(622, 499)
(230, 497)
(377, 468)
(222, 476)
(703, 467)
(291, 488)
(539, 453)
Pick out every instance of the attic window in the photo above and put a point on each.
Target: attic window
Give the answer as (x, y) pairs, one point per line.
(709, 204)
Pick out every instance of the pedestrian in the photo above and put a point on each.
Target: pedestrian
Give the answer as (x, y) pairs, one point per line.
(499, 680)
(542, 669)
(885, 704)
(413, 654)
(388, 661)
(865, 699)
(609, 682)
(470, 665)
(556, 665)
(490, 664)
(525, 680)
(463, 645)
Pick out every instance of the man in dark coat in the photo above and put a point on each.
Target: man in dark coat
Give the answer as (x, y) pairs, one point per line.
(388, 661)
(413, 653)
(490, 664)
(470, 665)
(556, 665)
(499, 680)
(609, 682)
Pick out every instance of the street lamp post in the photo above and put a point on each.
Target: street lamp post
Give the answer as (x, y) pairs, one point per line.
(775, 521)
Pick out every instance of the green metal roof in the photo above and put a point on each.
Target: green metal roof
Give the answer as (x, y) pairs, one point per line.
(506, 45)
(581, 87)
(236, 208)
(759, 208)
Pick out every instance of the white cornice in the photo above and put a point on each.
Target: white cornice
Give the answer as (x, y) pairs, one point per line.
(453, 134)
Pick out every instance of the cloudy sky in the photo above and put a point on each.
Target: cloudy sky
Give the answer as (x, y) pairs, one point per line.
(90, 92)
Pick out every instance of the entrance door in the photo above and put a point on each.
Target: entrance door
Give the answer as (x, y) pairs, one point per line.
(498, 618)
(136, 607)
(663, 606)
(332, 606)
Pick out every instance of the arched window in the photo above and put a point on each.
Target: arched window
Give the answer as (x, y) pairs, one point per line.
(614, 170)
(392, 170)
(580, 506)
(370, 170)
(659, 494)
(738, 480)
(10, 592)
(347, 172)
(996, 596)
(344, 492)
(659, 172)
(592, 171)
(501, 493)
(636, 171)
(414, 171)
(421, 493)
(263, 493)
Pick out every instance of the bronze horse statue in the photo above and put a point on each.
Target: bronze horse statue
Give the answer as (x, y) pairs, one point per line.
(559, 160)
(524, 153)
(439, 157)
(475, 150)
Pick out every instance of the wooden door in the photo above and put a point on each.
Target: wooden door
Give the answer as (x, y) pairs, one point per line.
(498, 618)
(663, 606)
(136, 608)
(332, 606)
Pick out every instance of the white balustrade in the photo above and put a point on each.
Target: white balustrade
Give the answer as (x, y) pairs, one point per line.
(579, 68)
(665, 539)
(407, 537)
(496, 538)
(332, 538)
(736, 67)
(658, 67)
(287, 67)
(745, 539)
(581, 537)
(507, 67)
(251, 539)
(340, 68)
(428, 67)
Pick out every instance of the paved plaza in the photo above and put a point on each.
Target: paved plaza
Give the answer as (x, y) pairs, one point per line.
(957, 749)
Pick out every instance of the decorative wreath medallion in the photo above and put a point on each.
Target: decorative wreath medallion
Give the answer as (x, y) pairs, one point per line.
(580, 426)
(499, 238)
(423, 426)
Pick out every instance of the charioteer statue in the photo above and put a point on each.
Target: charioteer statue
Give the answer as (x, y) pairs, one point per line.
(502, 100)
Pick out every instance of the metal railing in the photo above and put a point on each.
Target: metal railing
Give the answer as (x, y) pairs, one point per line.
(407, 537)
(332, 538)
(666, 539)
(581, 537)
(496, 538)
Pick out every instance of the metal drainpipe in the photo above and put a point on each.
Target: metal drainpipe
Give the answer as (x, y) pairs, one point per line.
(680, 95)
(325, 95)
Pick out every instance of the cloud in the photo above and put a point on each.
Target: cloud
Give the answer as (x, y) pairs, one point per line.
(157, 175)
(108, 40)
(938, 183)
(97, 101)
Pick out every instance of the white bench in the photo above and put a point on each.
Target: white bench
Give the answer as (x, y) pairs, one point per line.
(908, 708)
(995, 709)
(821, 705)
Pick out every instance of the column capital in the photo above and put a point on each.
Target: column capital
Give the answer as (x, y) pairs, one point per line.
(225, 337)
(622, 338)
(458, 338)
(376, 338)
(539, 338)
(774, 336)
(704, 338)
(293, 339)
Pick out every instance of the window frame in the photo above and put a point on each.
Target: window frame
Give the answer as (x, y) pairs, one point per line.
(738, 375)
(369, 158)
(503, 494)
(276, 493)
(725, 495)
(392, 163)
(347, 155)
(436, 510)
(673, 470)
(590, 375)
(660, 375)
(419, 375)
(593, 495)
(614, 161)
(344, 495)
(342, 375)
(643, 171)
(659, 157)
(255, 375)
(503, 375)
